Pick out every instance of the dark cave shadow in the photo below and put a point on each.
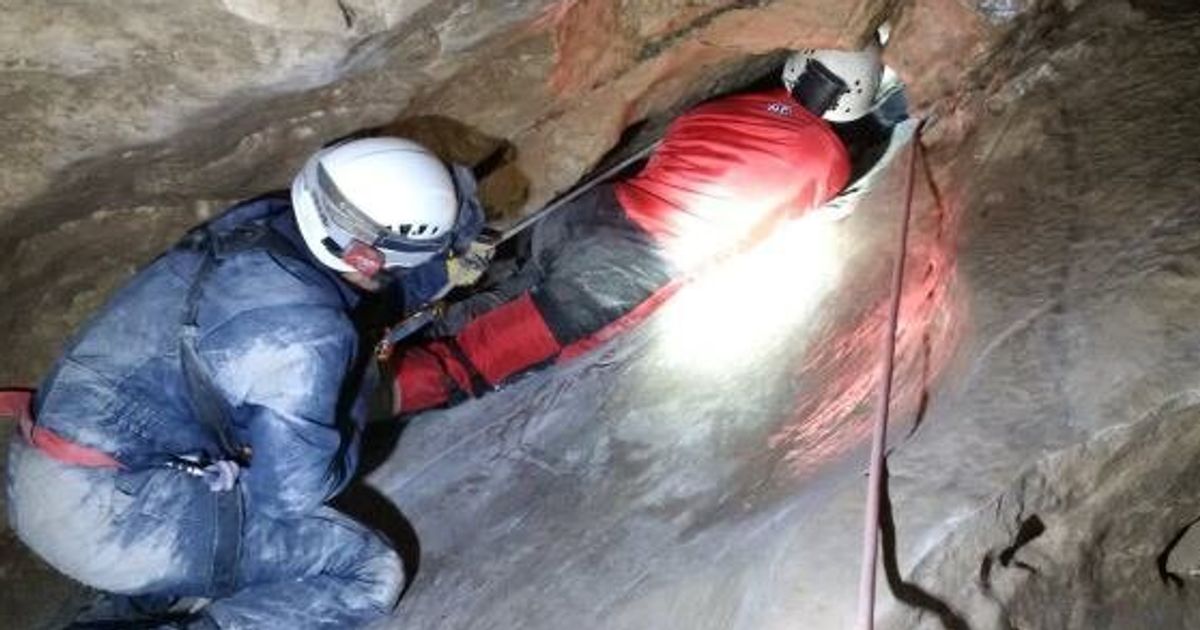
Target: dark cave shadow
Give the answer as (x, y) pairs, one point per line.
(379, 440)
(1161, 562)
(503, 186)
(908, 593)
(372, 508)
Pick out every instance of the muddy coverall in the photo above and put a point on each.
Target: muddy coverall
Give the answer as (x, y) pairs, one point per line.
(724, 174)
(241, 318)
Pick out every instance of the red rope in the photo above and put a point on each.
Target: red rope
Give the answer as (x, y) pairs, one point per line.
(866, 586)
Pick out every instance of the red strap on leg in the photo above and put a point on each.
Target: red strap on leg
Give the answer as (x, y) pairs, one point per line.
(498, 344)
(17, 404)
(421, 381)
(508, 340)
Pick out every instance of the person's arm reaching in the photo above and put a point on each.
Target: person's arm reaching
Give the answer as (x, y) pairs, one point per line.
(489, 349)
(590, 268)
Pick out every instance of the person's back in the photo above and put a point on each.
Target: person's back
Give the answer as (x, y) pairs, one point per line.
(263, 318)
(273, 341)
(725, 165)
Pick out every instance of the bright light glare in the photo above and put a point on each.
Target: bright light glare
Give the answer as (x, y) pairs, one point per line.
(741, 309)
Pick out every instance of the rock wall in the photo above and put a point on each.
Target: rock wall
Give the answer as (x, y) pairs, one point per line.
(1083, 539)
(128, 122)
(134, 103)
(1073, 392)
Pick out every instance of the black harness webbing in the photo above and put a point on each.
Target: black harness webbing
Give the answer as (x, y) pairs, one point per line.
(208, 405)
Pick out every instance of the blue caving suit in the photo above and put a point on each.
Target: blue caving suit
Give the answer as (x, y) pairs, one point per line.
(269, 330)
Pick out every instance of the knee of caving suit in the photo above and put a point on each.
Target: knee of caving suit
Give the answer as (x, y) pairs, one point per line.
(235, 347)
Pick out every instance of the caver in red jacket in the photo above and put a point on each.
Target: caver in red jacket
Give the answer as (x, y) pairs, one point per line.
(724, 173)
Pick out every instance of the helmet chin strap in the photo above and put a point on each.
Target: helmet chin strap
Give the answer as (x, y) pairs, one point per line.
(818, 88)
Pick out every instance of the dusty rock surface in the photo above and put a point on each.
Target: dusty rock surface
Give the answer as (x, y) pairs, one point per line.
(135, 103)
(654, 486)
(1083, 539)
(127, 123)
(1080, 256)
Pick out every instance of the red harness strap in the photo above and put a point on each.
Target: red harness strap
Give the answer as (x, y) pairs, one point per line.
(15, 403)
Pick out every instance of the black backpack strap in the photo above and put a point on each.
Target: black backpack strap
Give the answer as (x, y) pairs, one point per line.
(207, 403)
(257, 235)
(206, 400)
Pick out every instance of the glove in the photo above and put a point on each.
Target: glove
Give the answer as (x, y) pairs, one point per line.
(408, 326)
(466, 268)
(221, 475)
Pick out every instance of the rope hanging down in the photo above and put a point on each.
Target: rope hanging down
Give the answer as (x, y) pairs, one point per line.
(866, 586)
(492, 238)
(495, 238)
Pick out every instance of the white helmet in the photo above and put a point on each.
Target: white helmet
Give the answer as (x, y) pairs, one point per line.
(376, 202)
(858, 74)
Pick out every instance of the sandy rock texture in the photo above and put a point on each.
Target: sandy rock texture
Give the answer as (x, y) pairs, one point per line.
(134, 114)
(1085, 538)
(140, 103)
(127, 122)
(1049, 355)
(1072, 394)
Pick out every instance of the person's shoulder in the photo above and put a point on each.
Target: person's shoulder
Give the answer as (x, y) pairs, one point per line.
(304, 323)
(757, 103)
(267, 277)
(769, 114)
(255, 208)
(262, 278)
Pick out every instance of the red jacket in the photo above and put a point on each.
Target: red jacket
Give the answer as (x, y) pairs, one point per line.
(728, 163)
